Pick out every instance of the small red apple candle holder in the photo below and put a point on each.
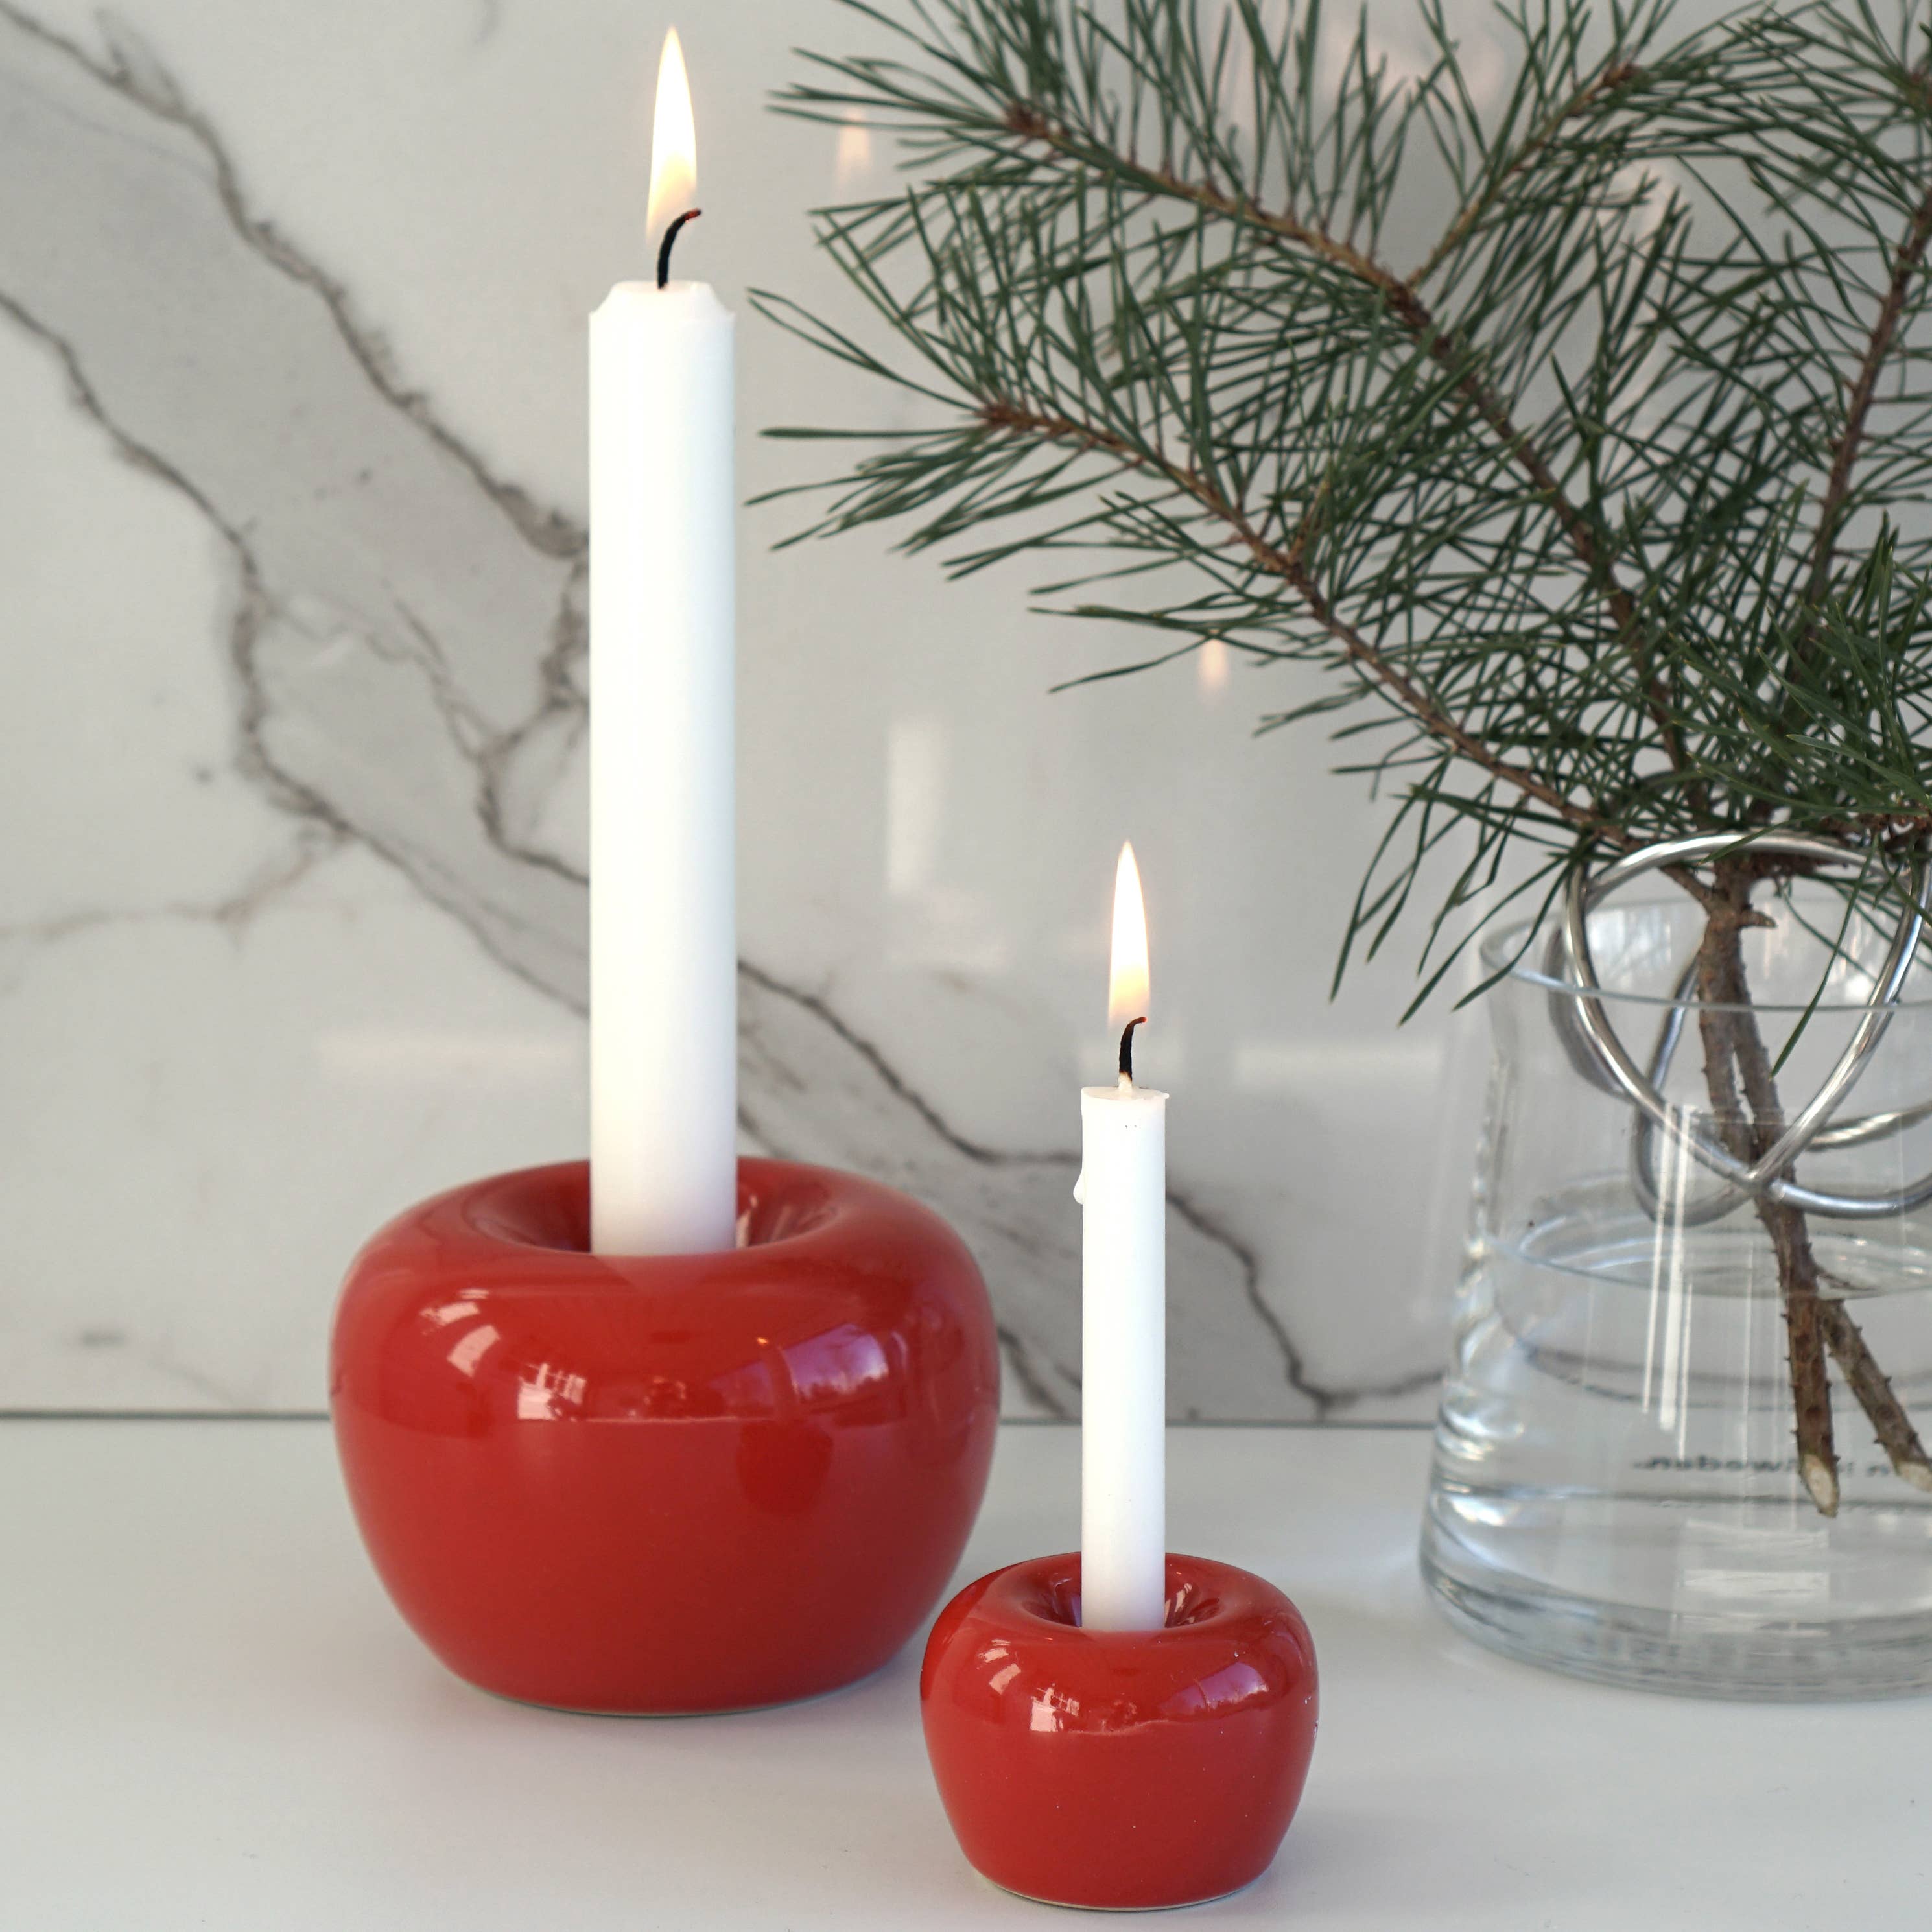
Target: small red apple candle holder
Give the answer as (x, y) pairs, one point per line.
(1121, 1729)
(1121, 1769)
(665, 1483)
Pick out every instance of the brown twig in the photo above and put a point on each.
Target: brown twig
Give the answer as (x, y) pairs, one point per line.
(1866, 1380)
(1615, 76)
(1849, 445)
(1850, 441)
(1731, 1040)
(1814, 1322)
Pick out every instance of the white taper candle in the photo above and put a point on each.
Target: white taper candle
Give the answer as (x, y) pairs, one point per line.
(1123, 1193)
(663, 936)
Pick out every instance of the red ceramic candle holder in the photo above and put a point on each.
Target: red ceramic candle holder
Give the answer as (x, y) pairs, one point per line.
(1126, 1769)
(666, 1483)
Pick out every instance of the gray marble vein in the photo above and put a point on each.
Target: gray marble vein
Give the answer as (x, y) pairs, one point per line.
(404, 648)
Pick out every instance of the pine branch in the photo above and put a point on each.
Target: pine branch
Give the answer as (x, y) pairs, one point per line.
(1404, 301)
(1015, 420)
(1542, 519)
(1615, 75)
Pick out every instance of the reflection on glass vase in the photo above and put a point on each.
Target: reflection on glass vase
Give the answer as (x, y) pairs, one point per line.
(1616, 1489)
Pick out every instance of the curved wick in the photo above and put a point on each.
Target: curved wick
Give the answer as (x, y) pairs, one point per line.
(1127, 1050)
(670, 236)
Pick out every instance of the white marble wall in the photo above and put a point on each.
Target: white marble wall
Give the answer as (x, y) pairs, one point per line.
(291, 915)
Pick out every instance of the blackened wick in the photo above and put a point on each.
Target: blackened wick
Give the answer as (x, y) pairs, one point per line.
(670, 236)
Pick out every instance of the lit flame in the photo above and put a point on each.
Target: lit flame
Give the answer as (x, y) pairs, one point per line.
(1127, 976)
(674, 144)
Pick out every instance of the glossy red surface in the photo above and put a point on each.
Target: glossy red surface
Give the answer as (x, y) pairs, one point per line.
(690, 1482)
(1120, 1768)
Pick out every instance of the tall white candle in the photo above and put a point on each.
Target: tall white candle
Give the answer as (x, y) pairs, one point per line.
(1123, 1193)
(663, 937)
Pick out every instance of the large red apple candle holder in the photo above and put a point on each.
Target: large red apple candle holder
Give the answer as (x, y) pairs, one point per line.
(665, 1483)
(614, 1458)
(1121, 1768)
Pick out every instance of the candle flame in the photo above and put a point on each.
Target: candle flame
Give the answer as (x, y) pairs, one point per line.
(674, 143)
(1127, 976)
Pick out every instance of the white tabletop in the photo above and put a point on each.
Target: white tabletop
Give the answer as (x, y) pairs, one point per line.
(211, 1718)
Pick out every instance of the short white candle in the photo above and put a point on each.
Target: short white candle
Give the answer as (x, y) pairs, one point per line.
(1123, 1193)
(664, 1044)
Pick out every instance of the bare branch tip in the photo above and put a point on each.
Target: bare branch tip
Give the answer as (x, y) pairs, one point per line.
(1822, 1480)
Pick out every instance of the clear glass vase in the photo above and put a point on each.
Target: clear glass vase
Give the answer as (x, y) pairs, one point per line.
(1615, 1490)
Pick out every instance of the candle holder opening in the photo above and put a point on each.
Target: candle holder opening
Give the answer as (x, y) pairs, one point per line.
(540, 1207)
(1051, 1595)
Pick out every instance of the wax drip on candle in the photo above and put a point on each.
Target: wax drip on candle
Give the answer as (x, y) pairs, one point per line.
(670, 236)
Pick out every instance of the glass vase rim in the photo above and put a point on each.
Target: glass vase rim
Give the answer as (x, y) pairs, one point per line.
(1515, 951)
